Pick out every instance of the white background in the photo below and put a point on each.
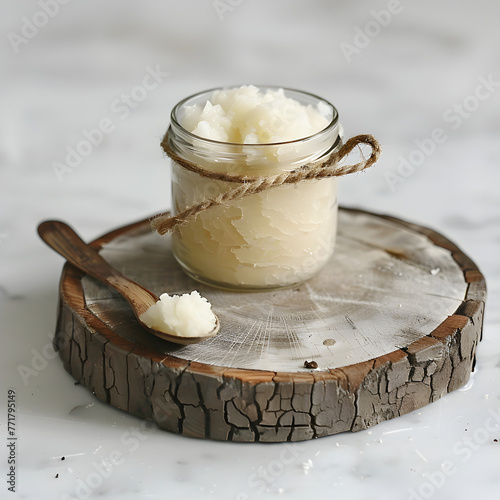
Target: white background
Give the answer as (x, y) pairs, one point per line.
(400, 82)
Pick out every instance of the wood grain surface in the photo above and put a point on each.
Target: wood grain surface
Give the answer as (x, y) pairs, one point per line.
(392, 324)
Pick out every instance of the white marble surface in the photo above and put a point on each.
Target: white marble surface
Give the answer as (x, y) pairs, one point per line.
(72, 72)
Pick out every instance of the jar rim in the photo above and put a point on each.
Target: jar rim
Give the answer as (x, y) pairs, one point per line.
(176, 125)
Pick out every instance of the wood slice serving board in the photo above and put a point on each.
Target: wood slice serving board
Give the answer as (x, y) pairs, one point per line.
(392, 322)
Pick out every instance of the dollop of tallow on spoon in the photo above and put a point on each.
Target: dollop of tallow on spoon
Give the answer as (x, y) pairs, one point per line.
(187, 315)
(185, 319)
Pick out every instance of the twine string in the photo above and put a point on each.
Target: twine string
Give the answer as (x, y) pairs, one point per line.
(164, 222)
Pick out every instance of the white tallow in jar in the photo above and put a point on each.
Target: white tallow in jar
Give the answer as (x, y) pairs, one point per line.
(275, 238)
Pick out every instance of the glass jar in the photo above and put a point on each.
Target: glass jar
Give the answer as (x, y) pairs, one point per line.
(275, 238)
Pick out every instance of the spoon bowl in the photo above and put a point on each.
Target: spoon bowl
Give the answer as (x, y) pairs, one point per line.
(61, 238)
(177, 339)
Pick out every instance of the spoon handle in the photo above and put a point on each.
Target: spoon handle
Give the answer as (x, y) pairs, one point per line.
(67, 243)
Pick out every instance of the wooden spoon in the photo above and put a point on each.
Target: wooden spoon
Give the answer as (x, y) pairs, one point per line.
(66, 242)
